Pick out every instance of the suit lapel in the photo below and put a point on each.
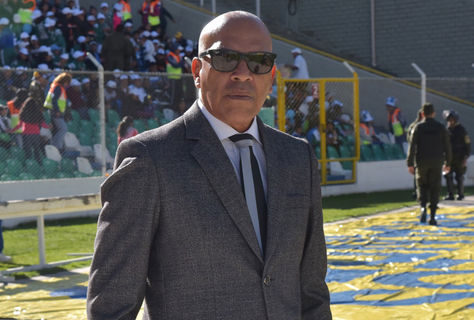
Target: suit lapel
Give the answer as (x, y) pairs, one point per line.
(211, 156)
(276, 172)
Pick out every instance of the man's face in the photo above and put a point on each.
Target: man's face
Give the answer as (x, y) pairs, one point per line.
(234, 97)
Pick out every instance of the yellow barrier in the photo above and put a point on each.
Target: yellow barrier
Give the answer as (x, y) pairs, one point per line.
(300, 110)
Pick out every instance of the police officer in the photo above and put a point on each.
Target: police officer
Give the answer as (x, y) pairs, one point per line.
(429, 148)
(461, 147)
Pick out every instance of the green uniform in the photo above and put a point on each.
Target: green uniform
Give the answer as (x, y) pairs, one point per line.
(429, 149)
(461, 147)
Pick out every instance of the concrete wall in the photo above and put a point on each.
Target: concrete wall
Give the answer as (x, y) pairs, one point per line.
(374, 89)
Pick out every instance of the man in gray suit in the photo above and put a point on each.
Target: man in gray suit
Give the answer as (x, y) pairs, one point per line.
(179, 226)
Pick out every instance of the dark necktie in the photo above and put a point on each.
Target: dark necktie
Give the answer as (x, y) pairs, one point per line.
(252, 186)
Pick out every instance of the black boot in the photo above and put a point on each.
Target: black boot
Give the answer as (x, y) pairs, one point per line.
(460, 182)
(450, 196)
(432, 218)
(423, 215)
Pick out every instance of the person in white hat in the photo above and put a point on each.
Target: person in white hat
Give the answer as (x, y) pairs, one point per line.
(396, 122)
(367, 130)
(299, 66)
(55, 35)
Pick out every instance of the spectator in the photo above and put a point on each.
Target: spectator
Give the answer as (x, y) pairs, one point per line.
(150, 13)
(74, 95)
(101, 29)
(56, 102)
(126, 10)
(117, 18)
(70, 30)
(37, 88)
(14, 106)
(55, 36)
(7, 43)
(104, 9)
(117, 51)
(125, 129)
(299, 66)
(31, 121)
(332, 137)
(396, 123)
(367, 130)
(83, 26)
(5, 138)
(174, 66)
(110, 95)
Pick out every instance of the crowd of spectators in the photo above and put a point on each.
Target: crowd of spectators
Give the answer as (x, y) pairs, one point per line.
(57, 35)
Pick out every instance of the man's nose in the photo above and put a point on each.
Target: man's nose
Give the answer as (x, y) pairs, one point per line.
(242, 72)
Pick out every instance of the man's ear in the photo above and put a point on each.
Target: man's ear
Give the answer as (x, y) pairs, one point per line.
(195, 69)
(273, 72)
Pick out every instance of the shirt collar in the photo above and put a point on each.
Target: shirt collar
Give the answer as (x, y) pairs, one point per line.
(223, 130)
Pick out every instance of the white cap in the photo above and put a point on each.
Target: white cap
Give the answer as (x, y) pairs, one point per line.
(118, 6)
(81, 39)
(111, 84)
(161, 51)
(123, 77)
(154, 34)
(49, 22)
(156, 41)
(24, 35)
(43, 66)
(50, 14)
(104, 4)
(85, 80)
(36, 14)
(391, 101)
(24, 51)
(64, 56)
(77, 12)
(67, 10)
(90, 18)
(128, 24)
(4, 21)
(134, 77)
(146, 33)
(296, 50)
(34, 38)
(43, 49)
(366, 116)
(189, 49)
(100, 16)
(75, 83)
(180, 48)
(77, 54)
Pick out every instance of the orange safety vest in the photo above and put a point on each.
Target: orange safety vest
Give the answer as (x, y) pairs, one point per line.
(126, 10)
(396, 125)
(152, 4)
(368, 130)
(14, 115)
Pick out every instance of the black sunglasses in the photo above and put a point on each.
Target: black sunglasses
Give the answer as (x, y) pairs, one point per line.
(226, 60)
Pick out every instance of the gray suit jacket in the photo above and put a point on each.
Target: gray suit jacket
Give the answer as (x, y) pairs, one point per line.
(175, 229)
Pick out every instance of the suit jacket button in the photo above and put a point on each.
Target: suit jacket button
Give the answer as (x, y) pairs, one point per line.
(267, 280)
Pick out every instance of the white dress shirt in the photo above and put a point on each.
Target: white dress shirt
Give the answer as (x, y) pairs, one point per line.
(224, 131)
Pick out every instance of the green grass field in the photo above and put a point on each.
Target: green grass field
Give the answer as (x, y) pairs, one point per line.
(77, 235)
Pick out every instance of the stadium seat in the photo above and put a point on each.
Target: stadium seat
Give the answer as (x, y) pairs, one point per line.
(7, 177)
(3, 165)
(33, 167)
(52, 153)
(346, 153)
(112, 118)
(50, 167)
(13, 167)
(317, 151)
(139, 125)
(26, 176)
(85, 139)
(86, 127)
(378, 152)
(67, 166)
(84, 166)
(332, 153)
(75, 116)
(94, 115)
(152, 123)
(98, 155)
(47, 117)
(366, 153)
(3, 154)
(17, 153)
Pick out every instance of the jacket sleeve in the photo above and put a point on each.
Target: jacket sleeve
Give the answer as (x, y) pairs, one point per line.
(125, 232)
(447, 148)
(412, 148)
(314, 291)
(57, 94)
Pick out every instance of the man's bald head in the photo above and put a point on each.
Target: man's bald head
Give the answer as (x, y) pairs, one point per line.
(210, 33)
